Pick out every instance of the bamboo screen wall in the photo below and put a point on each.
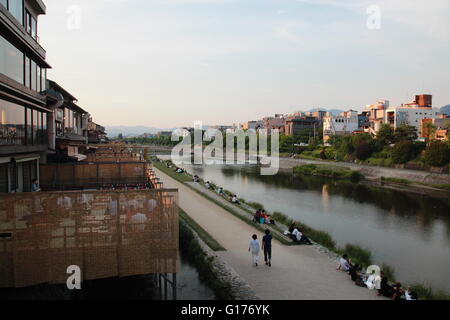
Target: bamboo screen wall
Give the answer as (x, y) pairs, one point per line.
(106, 234)
(83, 175)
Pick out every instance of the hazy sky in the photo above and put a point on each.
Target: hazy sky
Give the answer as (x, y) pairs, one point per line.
(167, 63)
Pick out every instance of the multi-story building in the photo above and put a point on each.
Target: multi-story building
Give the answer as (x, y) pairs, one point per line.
(255, 125)
(23, 110)
(97, 133)
(67, 123)
(276, 122)
(343, 124)
(412, 113)
(294, 125)
(441, 124)
(375, 116)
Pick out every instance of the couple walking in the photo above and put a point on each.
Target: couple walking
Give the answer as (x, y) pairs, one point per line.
(266, 247)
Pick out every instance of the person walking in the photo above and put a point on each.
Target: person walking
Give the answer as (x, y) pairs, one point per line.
(254, 249)
(267, 248)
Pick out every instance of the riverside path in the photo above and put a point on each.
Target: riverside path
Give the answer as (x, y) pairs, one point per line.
(297, 272)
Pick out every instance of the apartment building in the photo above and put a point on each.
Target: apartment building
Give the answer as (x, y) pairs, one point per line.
(343, 124)
(295, 125)
(375, 116)
(23, 106)
(413, 113)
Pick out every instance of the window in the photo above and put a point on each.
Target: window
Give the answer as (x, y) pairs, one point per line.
(28, 22)
(16, 9)
(27, 82)
(11, 61)
(29, 127)
(33, 75)
(43, 79)
(34, 28)
(12, 123)
(35, 127)
(39, 79)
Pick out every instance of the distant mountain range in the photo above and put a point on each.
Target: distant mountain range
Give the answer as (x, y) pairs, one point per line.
(446, 110)
(131, 131)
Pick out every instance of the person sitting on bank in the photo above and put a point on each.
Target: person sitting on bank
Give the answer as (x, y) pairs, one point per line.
(262, 217)
(301, 238)
(385, 289)
(355, 272)
(397, 292)
(269, 220)
(221, 192)
(35, 186)
(207, 185)
(235, 199)
(257, 216)
(196, 178)
(411, 295)
(371, 282)
(344, 264)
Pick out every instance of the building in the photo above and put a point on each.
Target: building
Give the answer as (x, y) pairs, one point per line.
(295, 125)
(275, 122)
(67, 124)
(97, 133)
(254, 125)
(375, 115)
(319, 114)
(343, 124)
(412, 113)
(23, 105)
(442, 125)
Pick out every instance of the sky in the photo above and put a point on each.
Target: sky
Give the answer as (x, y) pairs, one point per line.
(169, 63)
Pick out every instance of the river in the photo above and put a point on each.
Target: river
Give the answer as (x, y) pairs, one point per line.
(409, 232)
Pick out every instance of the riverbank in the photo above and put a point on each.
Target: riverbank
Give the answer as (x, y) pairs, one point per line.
(415, 181)
(357, 251)
(298, 272)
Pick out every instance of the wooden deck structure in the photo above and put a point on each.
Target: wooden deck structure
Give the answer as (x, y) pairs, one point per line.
(84, 175)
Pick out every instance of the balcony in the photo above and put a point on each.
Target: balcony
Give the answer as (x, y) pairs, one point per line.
(16, 28)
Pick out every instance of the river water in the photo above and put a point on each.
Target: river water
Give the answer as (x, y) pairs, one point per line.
(409, 232)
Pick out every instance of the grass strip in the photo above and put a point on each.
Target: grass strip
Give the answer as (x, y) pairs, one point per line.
(202, 233)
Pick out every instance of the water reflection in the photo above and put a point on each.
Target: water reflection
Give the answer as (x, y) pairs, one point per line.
(408, 231)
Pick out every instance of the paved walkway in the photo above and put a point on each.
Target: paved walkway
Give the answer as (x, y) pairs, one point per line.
(297, 273)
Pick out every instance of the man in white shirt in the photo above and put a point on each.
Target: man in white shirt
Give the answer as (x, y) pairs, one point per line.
(344, 264)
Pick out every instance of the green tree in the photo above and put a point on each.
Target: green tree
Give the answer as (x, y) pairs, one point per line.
(405, 132)
(385, 135)
(437, 154)
(404, 151)
(120, 136)
(429, 132)
(364, 150)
